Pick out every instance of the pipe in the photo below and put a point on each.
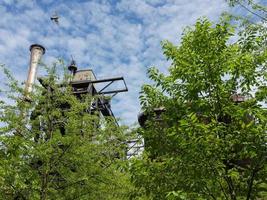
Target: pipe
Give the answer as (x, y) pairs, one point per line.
(36, 53)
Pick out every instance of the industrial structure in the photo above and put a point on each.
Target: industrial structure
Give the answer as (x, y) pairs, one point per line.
(147, 119)
(155, 115)
(82, 82)
(36, 53)
(85, 82)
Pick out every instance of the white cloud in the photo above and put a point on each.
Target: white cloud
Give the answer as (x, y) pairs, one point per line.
(8, 2)
(119, 39)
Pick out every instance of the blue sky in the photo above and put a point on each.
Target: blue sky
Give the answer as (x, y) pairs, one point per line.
(114, 38)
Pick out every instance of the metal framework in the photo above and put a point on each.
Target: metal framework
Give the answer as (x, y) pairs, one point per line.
(135, 147)
(84, 86)
(101, 103)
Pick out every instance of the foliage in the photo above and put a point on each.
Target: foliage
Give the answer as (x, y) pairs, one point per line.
(51, 148)
(252, 7)
(206, 145)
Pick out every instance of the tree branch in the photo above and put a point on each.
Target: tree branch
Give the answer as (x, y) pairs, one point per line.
(209, 193)
(230, 187)
(252, 12)
(250, 184)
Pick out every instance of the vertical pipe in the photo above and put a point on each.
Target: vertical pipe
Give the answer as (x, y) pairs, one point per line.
(36, 53)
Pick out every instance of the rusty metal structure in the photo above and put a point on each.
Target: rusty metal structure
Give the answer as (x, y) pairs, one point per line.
(85, 82)
(82, 82)
(155, 116)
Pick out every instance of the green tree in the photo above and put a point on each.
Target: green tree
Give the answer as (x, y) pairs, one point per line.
(51, 148)
(206, 143)
(252, 9)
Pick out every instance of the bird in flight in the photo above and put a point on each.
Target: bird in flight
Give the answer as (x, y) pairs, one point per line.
(55, 18)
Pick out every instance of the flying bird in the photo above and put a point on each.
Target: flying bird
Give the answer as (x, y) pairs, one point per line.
(55, 18)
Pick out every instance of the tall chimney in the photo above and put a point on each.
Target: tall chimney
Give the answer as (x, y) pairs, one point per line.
(36, 53)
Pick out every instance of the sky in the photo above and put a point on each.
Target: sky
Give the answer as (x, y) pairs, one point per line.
(111, 37)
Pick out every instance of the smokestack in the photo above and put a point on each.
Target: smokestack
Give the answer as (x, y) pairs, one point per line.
(36, 53)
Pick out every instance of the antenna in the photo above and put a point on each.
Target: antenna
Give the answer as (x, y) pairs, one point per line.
(72, 67)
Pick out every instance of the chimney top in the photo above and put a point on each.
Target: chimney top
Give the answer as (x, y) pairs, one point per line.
(37, 45)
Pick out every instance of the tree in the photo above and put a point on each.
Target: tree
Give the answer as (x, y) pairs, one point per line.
(252, 7)
(209, 141)
(51, 148)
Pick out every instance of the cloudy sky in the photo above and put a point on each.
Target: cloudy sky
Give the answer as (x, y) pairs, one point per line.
(112, 37)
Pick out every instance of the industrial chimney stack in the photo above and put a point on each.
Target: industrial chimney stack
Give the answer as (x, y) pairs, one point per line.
(36, 53)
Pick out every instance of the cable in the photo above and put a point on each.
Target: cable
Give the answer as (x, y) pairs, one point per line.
(254, 13)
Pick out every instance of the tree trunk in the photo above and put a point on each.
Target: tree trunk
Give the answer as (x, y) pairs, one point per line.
(44, 186)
